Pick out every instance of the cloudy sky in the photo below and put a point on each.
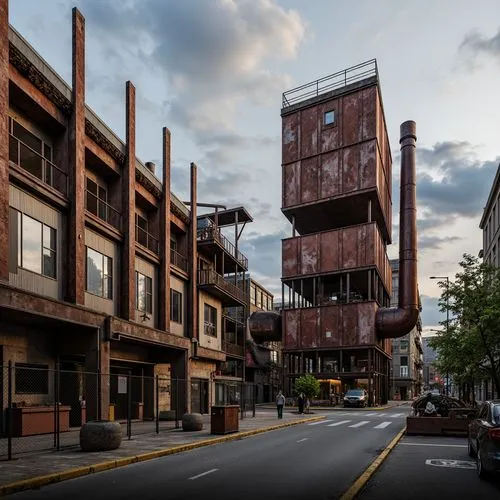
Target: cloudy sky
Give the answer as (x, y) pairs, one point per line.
(213, 71)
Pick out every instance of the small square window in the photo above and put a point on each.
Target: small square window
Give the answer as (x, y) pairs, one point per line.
(329, 117)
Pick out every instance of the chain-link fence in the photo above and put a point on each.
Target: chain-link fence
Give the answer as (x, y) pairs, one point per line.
(44, 408)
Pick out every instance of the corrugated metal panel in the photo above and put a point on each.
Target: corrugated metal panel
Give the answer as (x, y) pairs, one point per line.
(309, 132)
(329, 175)
(35, 283)
(290, 134)
(345, 325)
(309, 180)
(336, 250)
(180, 286)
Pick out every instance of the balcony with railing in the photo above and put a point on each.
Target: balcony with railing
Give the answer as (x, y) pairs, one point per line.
(102, 210)
(211, 235)
(146, 239)
(178, 260)
(37, 165)
(215, 284)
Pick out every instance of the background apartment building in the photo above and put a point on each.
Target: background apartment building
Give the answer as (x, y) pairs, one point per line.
(102, 269)
(407, 364)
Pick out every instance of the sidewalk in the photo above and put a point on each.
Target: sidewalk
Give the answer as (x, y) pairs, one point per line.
(30, 466)
(340, 407)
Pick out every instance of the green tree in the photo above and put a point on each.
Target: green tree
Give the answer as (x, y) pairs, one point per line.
(307, 385)
(469, 348)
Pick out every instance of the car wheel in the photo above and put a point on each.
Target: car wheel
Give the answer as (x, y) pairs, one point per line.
(481, 472)
(470, 449)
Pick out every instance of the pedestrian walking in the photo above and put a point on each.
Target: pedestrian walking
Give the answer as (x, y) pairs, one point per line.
(280, 402)
(300, 402)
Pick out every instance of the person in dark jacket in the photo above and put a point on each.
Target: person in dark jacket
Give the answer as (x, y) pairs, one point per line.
(300, 402)
(280, 402)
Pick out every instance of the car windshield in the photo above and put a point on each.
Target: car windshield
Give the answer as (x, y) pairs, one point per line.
(353, 392)
(496, 413)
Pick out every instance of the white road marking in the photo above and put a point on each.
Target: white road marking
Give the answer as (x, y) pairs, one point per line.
(340, 423)
(383, 425)
(300, 440)
(370, 414)
(435, 444)
(319, 422)
(456, 464)
(203, 474)
(359, 424)
(396, 415)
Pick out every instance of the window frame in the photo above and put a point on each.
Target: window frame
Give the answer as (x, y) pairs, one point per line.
(211, 322)
(21, 216)
(334, 120)
(148, 299)
(40, 370)
(180, 310)
(105, 279)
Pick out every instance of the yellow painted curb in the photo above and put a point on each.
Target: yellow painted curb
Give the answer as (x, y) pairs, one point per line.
(38, 482)
(356, 487)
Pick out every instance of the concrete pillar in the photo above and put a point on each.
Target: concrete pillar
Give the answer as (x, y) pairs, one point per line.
(164, 288)
(76, 238)
(4, 140)
(193, 312)
(127, 290)
(97, 378)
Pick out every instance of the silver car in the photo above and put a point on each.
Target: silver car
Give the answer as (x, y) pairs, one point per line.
(356, 397)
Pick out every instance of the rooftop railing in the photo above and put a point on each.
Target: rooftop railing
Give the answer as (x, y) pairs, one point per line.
(328, 83)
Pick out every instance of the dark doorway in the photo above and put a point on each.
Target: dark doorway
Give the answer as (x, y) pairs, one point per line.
(199, 395)
(71, 390)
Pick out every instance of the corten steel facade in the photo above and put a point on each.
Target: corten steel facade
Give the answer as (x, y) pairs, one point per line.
(407, 364)
(336, 193)
(490, 224)
(99, 263)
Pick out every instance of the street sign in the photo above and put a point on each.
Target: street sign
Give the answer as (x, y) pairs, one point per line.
(122, 385)
(453, 464)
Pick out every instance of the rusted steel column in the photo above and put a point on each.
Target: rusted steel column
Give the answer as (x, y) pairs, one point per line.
(4, 140)
(164, 319)
(193, 313)
(76, 238)
(127, 291)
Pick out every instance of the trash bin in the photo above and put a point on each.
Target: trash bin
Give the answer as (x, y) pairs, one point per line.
(224, 419)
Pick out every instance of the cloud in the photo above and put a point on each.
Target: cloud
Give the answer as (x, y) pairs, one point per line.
(431, 316)
(475, 44)
(213, 55)
(435, 242)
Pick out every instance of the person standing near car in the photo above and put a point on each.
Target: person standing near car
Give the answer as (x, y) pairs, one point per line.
(280, 402)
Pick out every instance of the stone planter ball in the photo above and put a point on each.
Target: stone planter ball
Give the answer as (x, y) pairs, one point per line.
(192, 422)
(100, 436)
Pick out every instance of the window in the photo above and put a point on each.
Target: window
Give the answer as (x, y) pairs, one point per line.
(403, 361)
(259, 298)
(31, 379)
(403, 371)
(99, 274)
(30, 152)
(141, 230)
(176, 306)
(274, 356)
(143, 293)
(252, 293)
(403, 344)
(210, 324)
(97, 199)
(36, 244)
(329, 117)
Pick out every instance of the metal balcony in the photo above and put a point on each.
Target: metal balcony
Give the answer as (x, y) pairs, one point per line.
(215, 284)
(212, 235)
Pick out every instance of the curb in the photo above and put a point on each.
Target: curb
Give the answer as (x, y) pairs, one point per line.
(361, 481)
(56, 477)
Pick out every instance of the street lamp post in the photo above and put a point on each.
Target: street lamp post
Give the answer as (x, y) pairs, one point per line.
(447, 315)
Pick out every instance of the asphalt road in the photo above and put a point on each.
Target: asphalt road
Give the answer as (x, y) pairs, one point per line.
(426, 467)
(316, 460)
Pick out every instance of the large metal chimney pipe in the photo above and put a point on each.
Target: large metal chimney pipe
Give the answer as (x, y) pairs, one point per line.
(397, 322)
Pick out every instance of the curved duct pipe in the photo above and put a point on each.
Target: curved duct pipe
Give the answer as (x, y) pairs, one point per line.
(396, 322)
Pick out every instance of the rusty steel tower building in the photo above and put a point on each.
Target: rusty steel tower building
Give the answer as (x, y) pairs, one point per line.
(336, 193)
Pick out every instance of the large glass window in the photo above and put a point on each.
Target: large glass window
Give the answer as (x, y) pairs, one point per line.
(143, 293)
(175, 306)
(36, 245)
(210, 323)
(99, 274)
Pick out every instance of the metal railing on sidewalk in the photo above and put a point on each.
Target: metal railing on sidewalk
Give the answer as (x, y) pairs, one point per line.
(44, 408)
